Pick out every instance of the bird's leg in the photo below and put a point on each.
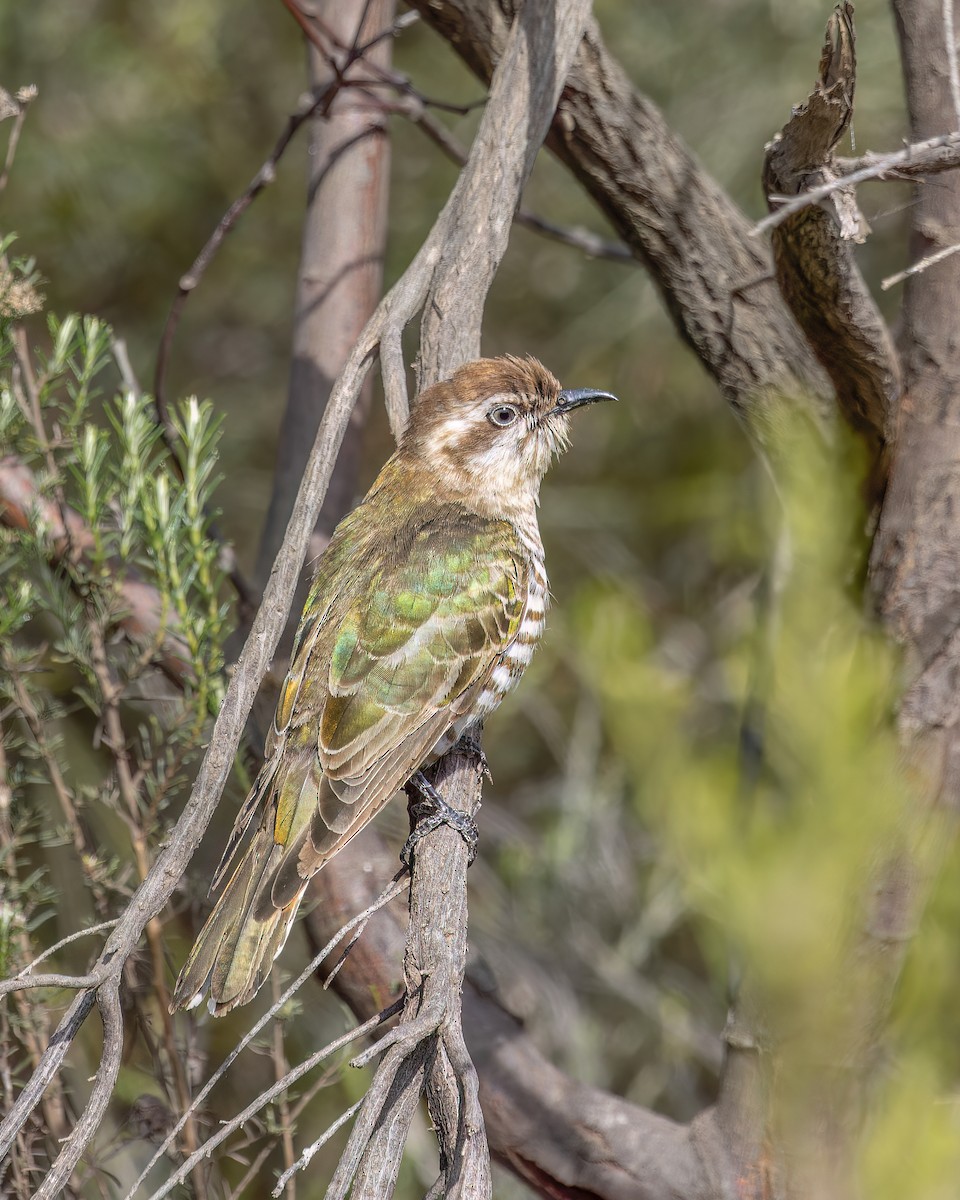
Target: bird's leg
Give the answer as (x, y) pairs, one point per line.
(431, 811)
(466, 743)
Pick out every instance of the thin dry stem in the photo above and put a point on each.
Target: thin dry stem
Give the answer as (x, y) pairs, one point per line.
(930, 261)
(304, 1160)
(266, 1097)
(390, 892)
(941, 153)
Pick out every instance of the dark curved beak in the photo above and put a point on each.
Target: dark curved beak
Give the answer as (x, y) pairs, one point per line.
(571, 398)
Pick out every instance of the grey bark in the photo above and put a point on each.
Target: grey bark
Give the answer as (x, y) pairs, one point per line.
(715, 279)
(813, 249)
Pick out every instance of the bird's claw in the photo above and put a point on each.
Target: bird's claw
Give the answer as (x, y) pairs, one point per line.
(431, 811)
(466, 743)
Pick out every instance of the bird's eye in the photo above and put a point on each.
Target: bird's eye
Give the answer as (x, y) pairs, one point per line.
(503, 414)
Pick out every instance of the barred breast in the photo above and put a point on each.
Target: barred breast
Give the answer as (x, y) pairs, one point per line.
(512, 663)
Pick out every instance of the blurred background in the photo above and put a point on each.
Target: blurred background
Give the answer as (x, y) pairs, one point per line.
(603, 923)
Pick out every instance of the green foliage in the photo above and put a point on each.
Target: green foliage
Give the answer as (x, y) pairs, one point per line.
(112, 624)
(780, 837)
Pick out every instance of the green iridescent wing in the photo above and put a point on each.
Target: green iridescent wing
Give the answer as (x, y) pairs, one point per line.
(384, 664)
(409, 654)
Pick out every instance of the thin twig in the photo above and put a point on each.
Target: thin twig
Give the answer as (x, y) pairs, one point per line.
(71, 937)
(252, 1172)
(309, 105)
(265, 1098)
(317, 102)
(577, 236)
(390, 892)
(917, 267)
(304, 1159)
(941, 153)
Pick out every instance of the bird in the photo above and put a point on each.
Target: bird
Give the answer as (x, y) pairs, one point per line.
(424, 610)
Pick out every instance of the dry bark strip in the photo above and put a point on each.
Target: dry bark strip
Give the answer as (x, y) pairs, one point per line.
(715, 279)
(812, 249)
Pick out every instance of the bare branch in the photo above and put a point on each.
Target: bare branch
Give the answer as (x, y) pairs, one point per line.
(304, 1160)
(267, 1096)
(927, 157)
(555, 1133)
(930, 261)
(21, 983)
(586, 240)
(65, 941)
(108, 1001)
(308, 105)
(390, 892)
(812, 254)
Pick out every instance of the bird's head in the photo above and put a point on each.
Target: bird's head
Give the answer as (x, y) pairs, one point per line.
(493, 428)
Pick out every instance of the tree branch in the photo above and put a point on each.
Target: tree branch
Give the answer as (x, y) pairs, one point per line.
(812, 254)
(563, 1138)
(715, 280)
(521, 104)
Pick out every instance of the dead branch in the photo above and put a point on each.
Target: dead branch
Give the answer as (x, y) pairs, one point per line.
(560, 1136)
(389, 893)
(918, 267)
(928, 157)
(585, 240)
(812, 252)
(265, 1097)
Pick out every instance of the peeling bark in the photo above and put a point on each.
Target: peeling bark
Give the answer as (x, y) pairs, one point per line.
(812, 249)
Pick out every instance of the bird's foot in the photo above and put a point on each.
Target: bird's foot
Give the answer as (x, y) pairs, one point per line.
(466, 743)
(431, 811)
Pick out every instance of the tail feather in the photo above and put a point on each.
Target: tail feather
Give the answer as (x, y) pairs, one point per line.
(242, 935)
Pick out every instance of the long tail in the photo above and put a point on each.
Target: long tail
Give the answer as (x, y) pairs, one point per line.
(242, 936)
